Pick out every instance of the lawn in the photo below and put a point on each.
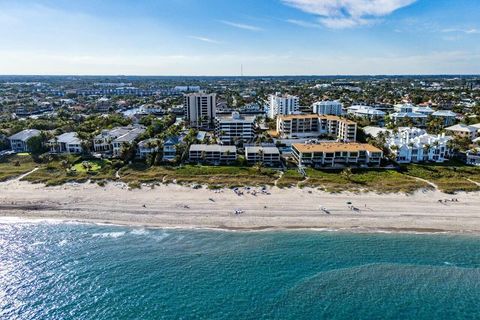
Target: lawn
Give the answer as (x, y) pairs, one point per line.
(15, 165)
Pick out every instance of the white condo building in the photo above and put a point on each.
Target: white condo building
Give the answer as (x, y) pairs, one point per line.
(333, 108)
(368, 112)
(200, 109)
(416, 145)
(234, 128)
(282, 105)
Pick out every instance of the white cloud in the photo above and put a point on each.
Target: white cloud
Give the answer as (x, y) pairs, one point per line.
(204, 39)
(340, 14)
(305, 24)
(241, 26)
(466, 31)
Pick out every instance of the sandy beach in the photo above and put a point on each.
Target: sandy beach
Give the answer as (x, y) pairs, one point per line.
(178, 206)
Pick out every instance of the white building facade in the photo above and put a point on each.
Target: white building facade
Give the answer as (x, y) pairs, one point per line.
(200, 109)
(235, 128)
(416, 145)
(282, 105)
(334, 108)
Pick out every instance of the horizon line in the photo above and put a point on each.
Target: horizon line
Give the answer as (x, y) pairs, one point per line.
(244, 76)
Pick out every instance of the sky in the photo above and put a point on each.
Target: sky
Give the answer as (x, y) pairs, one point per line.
(217, 37)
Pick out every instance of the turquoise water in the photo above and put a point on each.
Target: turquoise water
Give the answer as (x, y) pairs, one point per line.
(75, 271)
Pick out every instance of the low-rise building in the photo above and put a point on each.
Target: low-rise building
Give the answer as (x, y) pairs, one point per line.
(448, 117)
(170, 148)
(110, 141)
(266, 155)
(334, 154)
(417, 119)
(314, 125)
(423, 110)
(416, 145)
(146, 147)
(213, 153)
(464, 131)
(18, 141)
(472, 157)
(333, 108)
(66, 143)
(367, 112)
(234, 128)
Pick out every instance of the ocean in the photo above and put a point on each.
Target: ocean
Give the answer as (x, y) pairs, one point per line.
(82, 271)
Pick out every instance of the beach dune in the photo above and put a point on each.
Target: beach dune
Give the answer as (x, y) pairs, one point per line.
(183, 207)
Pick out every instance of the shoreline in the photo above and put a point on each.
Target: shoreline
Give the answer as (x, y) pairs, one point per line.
(9, 219)
(178, 207)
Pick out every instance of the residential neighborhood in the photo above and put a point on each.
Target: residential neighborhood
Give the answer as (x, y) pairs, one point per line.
(326, 127)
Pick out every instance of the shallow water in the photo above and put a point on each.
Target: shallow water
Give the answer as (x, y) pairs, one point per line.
(81, 271)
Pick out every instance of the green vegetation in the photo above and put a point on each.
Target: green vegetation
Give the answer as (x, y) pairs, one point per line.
(228, 176)
(61, 170)
(386, 181)
(449, 177)
(55, 170)
(290, 178)
(16, 165)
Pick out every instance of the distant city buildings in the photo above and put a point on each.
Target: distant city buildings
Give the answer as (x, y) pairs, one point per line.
(334, 108)
(200, 109)
(279, 105)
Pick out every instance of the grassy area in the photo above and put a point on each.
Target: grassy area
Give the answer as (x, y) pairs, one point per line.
(368, 180)
(449, 177)
(290, 178)
(92, 166)
(55, 173)
(226, 176)
(15, 165)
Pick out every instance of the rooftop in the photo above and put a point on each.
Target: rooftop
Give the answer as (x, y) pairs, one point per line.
(213, 148)
(335, 147)
(315, 116)
(69, 138)
(265, 150)
(463, 127)
(25, 134)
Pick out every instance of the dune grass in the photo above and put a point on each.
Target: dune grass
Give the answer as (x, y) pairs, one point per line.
(382, 181)
(290, 178)
(450, 177)
(54, 173)
(225, 176)
(15, 165)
